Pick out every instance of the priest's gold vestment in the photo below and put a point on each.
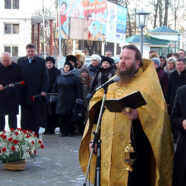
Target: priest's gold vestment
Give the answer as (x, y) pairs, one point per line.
(115, 132)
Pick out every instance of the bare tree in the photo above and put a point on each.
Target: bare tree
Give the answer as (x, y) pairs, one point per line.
(175, 8)
(160, 5)
(156, 13)
(166, 12)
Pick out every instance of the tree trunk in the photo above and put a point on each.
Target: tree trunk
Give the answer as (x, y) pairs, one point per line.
(156, 14)
(166, 13)
(160, 12)
(129, 25)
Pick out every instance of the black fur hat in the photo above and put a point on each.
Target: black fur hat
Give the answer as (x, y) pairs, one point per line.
(50, 58)
(69, 64)
(108, 59)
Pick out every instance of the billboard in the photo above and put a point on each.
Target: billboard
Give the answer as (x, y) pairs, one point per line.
(97, 20)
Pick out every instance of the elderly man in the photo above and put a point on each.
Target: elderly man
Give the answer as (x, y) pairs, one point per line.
(182, 54)
(147, 129)
(108, 53)
(36, 78)
(176, 80)
(9, 74)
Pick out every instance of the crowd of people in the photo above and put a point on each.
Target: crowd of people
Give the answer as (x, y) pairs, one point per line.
(51, 98)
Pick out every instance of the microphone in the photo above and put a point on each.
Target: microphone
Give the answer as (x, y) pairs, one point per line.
(107, 83)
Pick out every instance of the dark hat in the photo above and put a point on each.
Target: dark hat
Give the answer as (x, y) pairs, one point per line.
(50, 58)
(108, 59)
(84, 68)
(71, 58)
(69, 64)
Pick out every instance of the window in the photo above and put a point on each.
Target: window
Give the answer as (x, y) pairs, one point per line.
(15, 28)
(11, 4)
(11, 28)
(13, 50)
(7, 28)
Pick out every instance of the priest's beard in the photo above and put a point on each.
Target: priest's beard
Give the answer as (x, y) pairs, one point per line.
(128, 74)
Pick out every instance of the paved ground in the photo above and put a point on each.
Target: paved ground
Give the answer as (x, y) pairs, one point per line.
(56, 165)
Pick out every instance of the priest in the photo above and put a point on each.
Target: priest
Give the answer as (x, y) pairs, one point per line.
(145, 129)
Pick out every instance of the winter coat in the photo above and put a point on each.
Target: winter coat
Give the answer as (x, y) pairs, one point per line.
(9, 97)
(36, 78)
(163, 77)
(101, 77)
(178, 115)
(53, 73)
(176, 80)
(93, 69)
(69, 89)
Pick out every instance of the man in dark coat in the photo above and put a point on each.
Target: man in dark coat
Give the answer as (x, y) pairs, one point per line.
(36, 79)
(178, 119)
(177, 79)
(9, 73)
(162, 75)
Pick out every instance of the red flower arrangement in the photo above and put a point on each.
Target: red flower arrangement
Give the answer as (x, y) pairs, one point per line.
(18, 145)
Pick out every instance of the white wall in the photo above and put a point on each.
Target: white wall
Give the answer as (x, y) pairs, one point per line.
(171, 37)
(21, 16)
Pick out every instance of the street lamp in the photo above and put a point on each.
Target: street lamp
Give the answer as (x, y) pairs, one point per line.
(141, 21)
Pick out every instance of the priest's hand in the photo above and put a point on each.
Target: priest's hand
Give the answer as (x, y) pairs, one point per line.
(1, 87)
(91, 147)
(184, 124)
(132, 114)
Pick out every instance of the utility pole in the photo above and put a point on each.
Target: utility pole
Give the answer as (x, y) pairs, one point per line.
(44, 44)
(59, 24)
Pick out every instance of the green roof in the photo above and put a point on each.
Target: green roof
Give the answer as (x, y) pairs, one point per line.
(162, 29)
(147, 39)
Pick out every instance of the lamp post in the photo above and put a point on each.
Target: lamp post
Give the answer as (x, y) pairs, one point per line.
(141, 21)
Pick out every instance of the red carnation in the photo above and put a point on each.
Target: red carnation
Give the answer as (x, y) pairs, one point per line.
(22, 82)
(13, 148)
(29, 131)
(40, 141)
(34, 151)
(28, 136)
(32, 98)
(16, 133)
(4, 136)
(15, 141)
(33, 142)
(4, 149)
(42, 146)
(11, 129)
(35, 135)
(10, 139)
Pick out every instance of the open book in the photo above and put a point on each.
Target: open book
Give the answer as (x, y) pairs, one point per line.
(133, 101)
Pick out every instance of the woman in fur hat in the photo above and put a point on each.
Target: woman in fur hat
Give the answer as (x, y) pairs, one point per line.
(104, 73)
(80, 60)
(69, 89)
(52, 119)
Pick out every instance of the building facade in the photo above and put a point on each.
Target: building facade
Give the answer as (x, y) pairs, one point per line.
(15, 26)
(17, 21)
